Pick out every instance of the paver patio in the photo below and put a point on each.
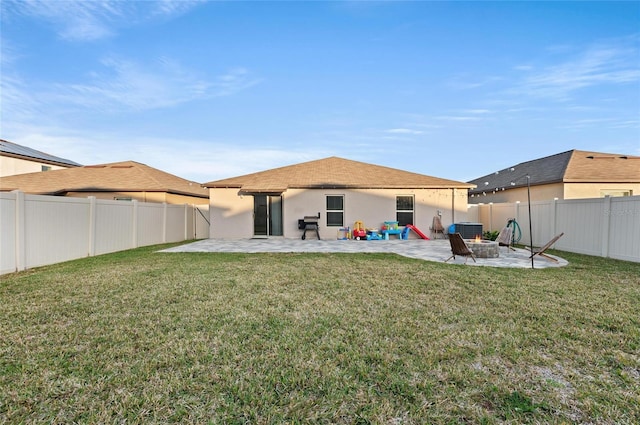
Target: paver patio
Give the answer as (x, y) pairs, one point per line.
(428, 250)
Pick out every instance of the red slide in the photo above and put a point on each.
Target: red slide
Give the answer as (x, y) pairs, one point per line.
(418, 232)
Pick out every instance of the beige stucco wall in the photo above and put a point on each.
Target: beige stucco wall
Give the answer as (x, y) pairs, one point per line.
(158, 197)
(593, 190)
(10, 166)
(538, 193)
(550, 191)
(232, 214)
(172, 198)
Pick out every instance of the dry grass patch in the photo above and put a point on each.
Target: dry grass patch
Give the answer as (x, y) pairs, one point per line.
(152, 337)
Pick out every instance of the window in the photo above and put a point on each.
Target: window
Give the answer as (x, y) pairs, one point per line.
(45, 168)
(614, 192)
(404, 210)
(335, 210)
(122, 198)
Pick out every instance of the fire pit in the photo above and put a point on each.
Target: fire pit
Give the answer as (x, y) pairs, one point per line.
(482, 248)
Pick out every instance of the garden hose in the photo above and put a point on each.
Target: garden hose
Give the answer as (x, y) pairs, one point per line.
(516, 232)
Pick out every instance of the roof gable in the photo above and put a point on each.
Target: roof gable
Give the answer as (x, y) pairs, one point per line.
(332, 172)
(569, 167)
(127, 176)
(587, 166)
(17, 151)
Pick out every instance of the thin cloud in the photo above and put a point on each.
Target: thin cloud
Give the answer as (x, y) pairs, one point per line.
(477, 111)
(175, 7)
(19, 103)
(612, 123)
(598, 65)
(407, 131)
(82, 20)
(457, 118)
(196, 160)
(523, 67)
(138, 86)
(466, 82)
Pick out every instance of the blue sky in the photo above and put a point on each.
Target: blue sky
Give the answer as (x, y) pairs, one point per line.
(209, 90)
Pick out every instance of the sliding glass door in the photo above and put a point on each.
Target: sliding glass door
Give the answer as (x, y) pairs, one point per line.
(267, 215)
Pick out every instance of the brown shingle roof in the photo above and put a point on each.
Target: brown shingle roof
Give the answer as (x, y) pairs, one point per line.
(333, 172)
(127, 176)
(572, 166)
(602, 167)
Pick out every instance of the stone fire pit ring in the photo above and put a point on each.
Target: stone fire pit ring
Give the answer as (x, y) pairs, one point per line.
(483, 248)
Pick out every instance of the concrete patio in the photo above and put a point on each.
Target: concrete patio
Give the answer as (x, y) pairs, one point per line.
(428, 250)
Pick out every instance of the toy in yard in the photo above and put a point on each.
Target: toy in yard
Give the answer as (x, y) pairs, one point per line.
(416, 230)
(391, 228)
(343, 233)
(373, 235)
(359, 232)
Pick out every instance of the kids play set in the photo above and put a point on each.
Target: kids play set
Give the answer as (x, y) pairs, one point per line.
(361, 233)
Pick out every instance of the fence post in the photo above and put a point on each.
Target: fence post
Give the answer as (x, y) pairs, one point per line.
(519, 220)
(606, 224)
(134, 224)
(555, 217)
(164, 222)
(491, 216)
(21, 249)
(186, 222)
(92, 226)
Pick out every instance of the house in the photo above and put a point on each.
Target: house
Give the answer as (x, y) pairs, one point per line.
(125, 181)
(568, 175)
(341, 191)
(17, 159)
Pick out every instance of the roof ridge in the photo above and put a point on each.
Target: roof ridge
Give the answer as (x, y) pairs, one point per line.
(333, 172)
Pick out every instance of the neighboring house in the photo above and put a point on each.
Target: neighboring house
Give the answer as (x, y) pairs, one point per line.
(568, 175)
(16, 159)
(125, 181)
(270, 203)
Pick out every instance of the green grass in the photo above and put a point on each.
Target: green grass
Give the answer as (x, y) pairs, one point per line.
(144, 337)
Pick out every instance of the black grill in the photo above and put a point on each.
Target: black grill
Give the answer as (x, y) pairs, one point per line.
(309, 222)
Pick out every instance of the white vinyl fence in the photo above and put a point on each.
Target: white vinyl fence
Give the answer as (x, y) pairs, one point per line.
(605, 227)
(37, 230)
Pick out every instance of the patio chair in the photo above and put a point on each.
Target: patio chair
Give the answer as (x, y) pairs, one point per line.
(541, 251)
(436, 227)
(459, 247)
(505, 238)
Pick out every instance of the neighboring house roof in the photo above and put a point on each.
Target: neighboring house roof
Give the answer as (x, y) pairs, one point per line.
(22, 152)
(127, 176)
(333, 173)
(572, 166)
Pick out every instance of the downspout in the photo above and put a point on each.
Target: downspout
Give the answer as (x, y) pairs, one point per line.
(453, 205)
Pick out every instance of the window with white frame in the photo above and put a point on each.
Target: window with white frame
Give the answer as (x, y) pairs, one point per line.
(404, 209)
(615, 192)
(335, 210)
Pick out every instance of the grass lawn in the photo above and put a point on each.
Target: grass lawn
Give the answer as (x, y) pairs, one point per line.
(144, 337)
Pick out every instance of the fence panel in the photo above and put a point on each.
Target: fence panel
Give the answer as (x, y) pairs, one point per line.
(55, 229)
(624, 231)
(8, 236)
(502, 213)
(175, 223)
(607, 227)
(581, 222)
(543, 214)
(37, 230)
(113, 226)
(150, 224)
(201, 214)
